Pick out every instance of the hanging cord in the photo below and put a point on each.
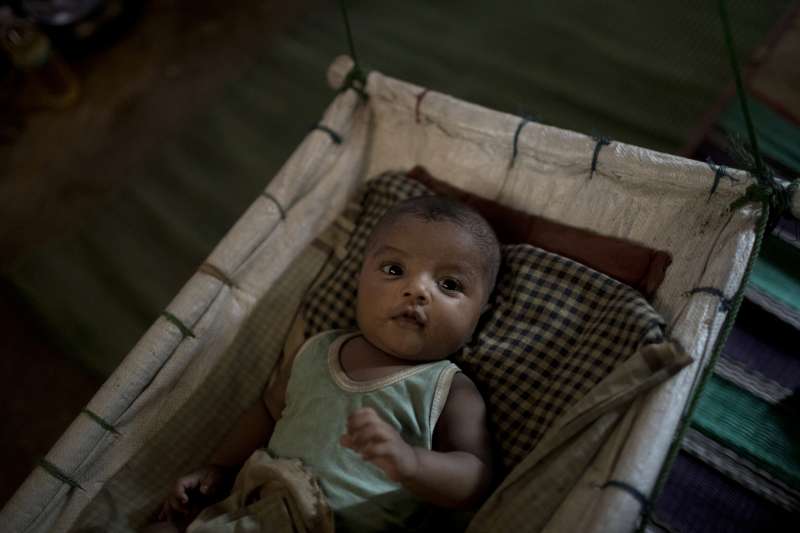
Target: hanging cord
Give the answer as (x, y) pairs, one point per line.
(737, 76)
(764, 193)
(768, 189)
(355, 79)
(705, 376)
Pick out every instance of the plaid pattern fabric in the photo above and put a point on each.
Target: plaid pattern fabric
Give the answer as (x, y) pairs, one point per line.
(555, 329)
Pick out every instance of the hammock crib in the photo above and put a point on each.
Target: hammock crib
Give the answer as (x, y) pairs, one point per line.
(173, 396)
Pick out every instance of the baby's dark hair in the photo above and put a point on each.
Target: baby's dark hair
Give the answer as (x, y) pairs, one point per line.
(445, 209)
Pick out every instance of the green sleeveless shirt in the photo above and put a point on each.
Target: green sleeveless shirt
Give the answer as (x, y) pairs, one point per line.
(320, 397)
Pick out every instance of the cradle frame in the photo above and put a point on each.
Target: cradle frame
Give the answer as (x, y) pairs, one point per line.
(536, 168)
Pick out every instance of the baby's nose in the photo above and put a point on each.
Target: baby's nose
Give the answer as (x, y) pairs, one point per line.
(419, 298)
(418, 292)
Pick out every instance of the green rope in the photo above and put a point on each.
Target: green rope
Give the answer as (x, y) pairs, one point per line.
(635, 493)
(335, 137)
(727, 326)
(724, 302)
(719, 172)
(515, 150)
(355, 79)
(737, 76)
(347, 30)
(768, 188)
(172, 318)
(599, 143)
(101, 422)
(216, 273)
(770, 195)
(57, 473)
(275, 201)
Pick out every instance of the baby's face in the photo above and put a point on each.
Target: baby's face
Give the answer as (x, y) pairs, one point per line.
(421, 289)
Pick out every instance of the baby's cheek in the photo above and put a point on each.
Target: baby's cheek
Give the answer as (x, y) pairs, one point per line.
(460, 331)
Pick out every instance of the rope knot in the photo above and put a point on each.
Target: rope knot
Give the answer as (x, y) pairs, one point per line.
(599, 143)
(719, 172)
(515, 150)
(356, 80)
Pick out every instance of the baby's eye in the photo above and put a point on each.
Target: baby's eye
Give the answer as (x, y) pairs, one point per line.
(392, 269)
(451, 285)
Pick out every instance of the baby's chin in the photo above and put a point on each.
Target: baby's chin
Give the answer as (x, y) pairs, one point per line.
(413, 358)
(410, 352)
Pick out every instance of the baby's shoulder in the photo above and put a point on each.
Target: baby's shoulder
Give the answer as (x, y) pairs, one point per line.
(324, 340)
(464, 405)
(462, 425)
(329, 336)
(463, 389)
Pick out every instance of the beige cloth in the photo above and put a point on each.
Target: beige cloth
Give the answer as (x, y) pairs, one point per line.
(269, 495)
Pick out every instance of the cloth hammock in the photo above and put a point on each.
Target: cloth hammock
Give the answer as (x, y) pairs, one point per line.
(170, 401)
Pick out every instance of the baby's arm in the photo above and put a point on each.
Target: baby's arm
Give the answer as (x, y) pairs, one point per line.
(255, 426)
(457, 473)
(253, 430)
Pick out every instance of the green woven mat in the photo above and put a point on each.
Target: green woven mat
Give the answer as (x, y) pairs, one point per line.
(640, 72)
(777, 273)
(751, 426)
(778, 138)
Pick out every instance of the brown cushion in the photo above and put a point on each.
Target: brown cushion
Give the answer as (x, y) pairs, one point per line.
(631, 263)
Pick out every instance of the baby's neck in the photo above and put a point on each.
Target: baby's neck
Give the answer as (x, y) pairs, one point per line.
(362, 361)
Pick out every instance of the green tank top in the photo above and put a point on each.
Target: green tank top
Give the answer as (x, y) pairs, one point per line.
(320, 397)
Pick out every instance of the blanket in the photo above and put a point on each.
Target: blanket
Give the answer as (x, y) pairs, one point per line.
(275, 495)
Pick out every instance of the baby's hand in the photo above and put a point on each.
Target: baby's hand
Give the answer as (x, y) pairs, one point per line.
(206, 481)
(380, 444)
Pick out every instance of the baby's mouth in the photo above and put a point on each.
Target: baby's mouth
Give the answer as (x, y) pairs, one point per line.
(411, 318)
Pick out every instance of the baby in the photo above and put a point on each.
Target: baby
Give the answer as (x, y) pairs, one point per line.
(388, 425)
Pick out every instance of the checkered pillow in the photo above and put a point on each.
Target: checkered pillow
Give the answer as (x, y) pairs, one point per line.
(555, 329)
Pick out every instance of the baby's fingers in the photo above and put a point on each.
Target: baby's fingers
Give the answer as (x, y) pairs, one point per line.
(384, 456)
(164, 514)
(208, 482)
(397, 459)
(348, 440)
(361, 417)
(179, 499)
(372, 433)
(374, 451)
(179, 496)
(172, 506)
